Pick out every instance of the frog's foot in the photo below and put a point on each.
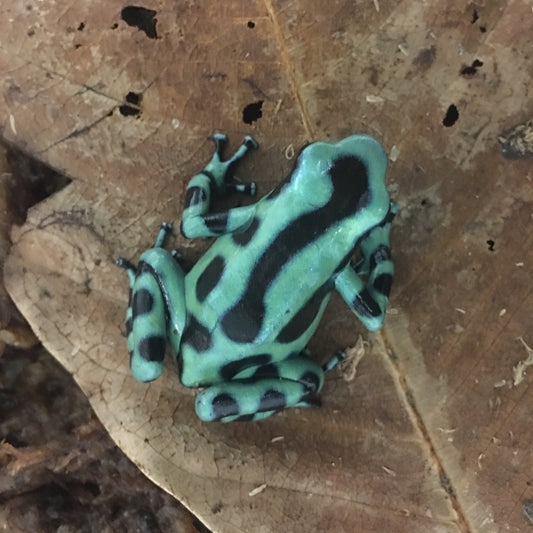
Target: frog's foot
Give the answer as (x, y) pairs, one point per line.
(334, 361)
(166, 228)
(221, 172)
(257, 394)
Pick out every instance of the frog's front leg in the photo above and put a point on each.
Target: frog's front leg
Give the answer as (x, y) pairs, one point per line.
(156, 308)
(258, 393)
(369, 300)
(217, 178)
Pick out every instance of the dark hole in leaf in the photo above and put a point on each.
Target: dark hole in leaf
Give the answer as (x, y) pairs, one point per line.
(81, 27)
(491, 244)
(115, 26)
(133, 98)
(472, 69)
(483, 29)
(252, 112)
(251, 24)
(142, 18)
(128, 110)
(451, 116)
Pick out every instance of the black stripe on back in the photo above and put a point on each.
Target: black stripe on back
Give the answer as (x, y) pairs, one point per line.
(209, 277)
(351, 193)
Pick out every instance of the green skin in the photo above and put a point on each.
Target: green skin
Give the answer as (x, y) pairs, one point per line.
(239, 321)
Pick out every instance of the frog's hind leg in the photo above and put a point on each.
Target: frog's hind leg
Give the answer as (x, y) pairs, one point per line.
(258, 393)
(156, 308)
(217, 178)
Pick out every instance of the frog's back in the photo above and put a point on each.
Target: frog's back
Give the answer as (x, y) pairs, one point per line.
(269, 284)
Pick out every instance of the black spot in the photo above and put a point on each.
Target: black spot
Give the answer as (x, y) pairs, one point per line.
(196, 335)
(152, 348)
(81, 27)
(350, 194)
(251, 24)
(252, 112)
(246, 236)
(231, 369)
(475, 16)
(299, 323)
(310, 380)
(380, 254)
(451, 116)
(383, 284)
(272, 400)
(491, 244)
(209, 277)
(195, 196)
(365, 305)
(266, 371)
(216, 222)
(483, 29)
(129, 323)
(142, 18)
(471, 70)
(243, 321)
(143, 302)
(224, 405)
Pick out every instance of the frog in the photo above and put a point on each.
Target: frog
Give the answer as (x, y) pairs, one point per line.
(239, 321)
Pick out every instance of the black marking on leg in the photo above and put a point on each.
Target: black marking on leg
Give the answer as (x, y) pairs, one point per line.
(383, 284)
(194, 196)
(311, 400)
(231, 369)
(224, 405)
(245, 418)
(310, 381)
(350, 193)
(380, 254)
(242, 239)
(266, 371)
(272, 400)
(365, 305)
(209, 277)
(143, 302)
(299, 323)
(216, 222)
(196, 335)
(125, 264)
(152, 348)
(129, 324)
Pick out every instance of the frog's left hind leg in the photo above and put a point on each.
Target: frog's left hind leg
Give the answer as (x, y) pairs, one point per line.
(217, 178)
(258, 393)
(156, 308)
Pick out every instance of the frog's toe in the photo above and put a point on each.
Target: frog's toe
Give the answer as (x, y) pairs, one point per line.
(250, 142)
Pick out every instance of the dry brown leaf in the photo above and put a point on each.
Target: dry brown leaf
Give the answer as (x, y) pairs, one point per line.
(125, 115)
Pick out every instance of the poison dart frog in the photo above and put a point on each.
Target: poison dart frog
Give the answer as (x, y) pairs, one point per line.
(238, 322)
